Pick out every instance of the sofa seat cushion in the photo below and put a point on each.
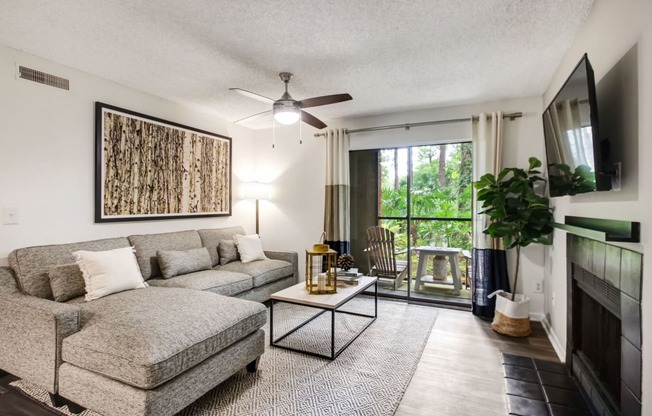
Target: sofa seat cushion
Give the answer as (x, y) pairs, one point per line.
(222, 282)
(146, 337)
(263, 271)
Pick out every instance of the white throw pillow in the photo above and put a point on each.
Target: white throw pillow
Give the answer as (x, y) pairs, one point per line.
(107, 272)
(249, 247)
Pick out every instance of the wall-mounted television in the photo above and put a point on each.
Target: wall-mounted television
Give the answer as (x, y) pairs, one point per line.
(578, 159)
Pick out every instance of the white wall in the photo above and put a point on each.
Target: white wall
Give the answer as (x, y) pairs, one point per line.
(47, 163)
(294, 218)
(610, 31)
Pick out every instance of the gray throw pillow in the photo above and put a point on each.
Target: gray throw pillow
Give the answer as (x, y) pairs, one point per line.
(228, 251)
(175, 263)
(67, 282)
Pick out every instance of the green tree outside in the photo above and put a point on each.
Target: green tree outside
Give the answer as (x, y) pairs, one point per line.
(441, 188)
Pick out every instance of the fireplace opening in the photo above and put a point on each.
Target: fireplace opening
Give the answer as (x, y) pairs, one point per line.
(603, 344)
(597, 342)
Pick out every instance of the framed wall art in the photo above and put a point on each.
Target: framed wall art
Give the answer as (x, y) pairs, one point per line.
(152, 169)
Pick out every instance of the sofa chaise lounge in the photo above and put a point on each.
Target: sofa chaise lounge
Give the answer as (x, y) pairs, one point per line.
(149, 351)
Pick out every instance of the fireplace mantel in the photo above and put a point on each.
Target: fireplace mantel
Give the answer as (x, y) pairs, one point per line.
(601, 229)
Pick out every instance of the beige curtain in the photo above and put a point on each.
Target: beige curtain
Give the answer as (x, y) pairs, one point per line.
(489, 260)
(337, 209)
(487, 136)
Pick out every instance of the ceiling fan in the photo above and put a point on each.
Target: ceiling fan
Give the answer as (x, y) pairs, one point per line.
(287, 110)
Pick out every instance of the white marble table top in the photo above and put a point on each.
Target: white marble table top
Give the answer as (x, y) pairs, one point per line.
(299, 294)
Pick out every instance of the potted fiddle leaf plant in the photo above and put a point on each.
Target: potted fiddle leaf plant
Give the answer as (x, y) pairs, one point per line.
(519, 216)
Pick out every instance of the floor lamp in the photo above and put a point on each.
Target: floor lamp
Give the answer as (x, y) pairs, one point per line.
(258, 191)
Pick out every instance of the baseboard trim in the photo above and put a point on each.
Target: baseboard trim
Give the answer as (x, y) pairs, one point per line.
(536, 317)
(561, 351)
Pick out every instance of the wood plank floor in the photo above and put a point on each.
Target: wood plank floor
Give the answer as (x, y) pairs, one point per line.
(459, 373)
(13, 403)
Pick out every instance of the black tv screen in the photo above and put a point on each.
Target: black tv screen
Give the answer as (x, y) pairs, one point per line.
(577, 159)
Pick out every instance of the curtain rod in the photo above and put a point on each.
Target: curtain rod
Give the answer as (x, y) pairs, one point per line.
(407, 126)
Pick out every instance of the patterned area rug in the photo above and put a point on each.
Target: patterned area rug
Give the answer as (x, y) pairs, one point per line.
(368, 378)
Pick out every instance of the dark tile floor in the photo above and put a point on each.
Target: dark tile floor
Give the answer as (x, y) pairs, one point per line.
(13, 403)
(541, 388)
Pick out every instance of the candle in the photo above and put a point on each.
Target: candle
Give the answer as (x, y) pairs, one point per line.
(321, 282)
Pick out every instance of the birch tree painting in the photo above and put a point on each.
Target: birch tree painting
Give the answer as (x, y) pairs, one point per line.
(153, 169)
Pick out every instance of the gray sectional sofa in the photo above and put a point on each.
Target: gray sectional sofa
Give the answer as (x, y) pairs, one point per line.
(150, 351)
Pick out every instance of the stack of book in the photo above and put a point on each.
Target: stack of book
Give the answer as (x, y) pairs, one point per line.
(348, 276)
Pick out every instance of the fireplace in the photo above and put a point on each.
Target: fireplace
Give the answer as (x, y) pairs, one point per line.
(604, 324)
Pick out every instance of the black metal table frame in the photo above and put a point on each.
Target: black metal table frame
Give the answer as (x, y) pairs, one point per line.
(334, 354)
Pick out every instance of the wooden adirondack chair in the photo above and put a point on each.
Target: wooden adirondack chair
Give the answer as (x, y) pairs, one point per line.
(381, 256)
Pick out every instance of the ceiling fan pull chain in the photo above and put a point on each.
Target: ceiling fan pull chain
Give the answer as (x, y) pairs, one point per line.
(300, 132)
(273, 132)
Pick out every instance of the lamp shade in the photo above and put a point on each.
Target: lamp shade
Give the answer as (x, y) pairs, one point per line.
(256, 190)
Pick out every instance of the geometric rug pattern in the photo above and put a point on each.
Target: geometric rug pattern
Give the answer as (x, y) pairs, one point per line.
(368, 378)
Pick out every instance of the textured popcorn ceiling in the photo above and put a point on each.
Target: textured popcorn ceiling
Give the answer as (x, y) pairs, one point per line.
(389, 55)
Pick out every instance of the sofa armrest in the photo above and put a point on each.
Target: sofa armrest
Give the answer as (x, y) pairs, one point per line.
(31, 332)
(290, 257)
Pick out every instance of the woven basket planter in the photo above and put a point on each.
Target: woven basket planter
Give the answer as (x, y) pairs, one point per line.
(511, 317)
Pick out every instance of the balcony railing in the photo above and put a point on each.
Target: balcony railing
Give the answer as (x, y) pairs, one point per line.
(437, 277)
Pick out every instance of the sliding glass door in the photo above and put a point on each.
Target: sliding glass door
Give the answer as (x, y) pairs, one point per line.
(422, 194)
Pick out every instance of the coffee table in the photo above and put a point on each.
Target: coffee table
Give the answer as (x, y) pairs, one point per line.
(298, 295)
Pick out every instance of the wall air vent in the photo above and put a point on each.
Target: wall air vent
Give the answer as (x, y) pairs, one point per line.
(43, 78)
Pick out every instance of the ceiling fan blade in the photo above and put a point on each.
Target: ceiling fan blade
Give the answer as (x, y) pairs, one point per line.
(253, 116)
(324, 100)
(252, 95)
(312, 120)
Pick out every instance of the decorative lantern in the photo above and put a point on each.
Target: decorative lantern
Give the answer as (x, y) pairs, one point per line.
(321, 271)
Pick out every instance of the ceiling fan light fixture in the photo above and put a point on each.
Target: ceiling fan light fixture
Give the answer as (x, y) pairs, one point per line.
(286, 110)
(286, 113)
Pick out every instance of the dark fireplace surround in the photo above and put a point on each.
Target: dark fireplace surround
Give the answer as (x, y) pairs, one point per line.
(603, 349)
